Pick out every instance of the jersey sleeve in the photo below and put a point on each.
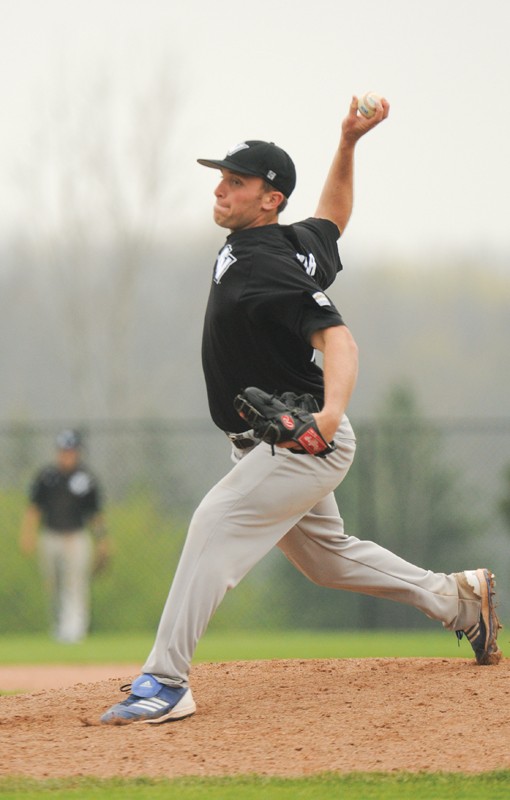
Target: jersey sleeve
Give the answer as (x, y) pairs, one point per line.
(317, 249)
(293, 302)
(318, 312)
(95, 498)
(36, 490)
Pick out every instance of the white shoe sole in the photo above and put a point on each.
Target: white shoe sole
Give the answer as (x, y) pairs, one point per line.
(184, 708)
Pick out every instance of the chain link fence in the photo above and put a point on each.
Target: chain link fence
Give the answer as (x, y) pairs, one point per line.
(434, 492)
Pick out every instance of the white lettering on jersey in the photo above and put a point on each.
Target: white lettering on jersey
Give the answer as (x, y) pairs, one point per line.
(80, 483)
(321, 299)
(223, 262)
(308, 262)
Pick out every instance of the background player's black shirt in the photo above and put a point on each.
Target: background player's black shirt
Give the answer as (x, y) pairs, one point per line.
(266, 301)
(67, 500)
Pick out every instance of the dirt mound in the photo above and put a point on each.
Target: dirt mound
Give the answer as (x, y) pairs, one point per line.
(286, 718)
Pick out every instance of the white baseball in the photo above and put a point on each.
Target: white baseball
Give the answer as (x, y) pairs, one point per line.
(368, 104)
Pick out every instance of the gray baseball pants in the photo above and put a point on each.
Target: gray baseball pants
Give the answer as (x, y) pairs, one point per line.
(66, 561)
(285, 500)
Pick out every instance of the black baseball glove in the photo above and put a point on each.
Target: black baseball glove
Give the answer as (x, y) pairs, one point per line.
(284, 418)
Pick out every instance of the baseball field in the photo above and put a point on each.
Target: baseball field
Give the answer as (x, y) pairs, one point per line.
(279, 716)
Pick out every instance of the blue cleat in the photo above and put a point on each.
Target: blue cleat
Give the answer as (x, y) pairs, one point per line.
(151, 701)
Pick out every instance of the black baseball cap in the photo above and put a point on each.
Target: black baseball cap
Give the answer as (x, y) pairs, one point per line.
(68, 439)
(264, 159)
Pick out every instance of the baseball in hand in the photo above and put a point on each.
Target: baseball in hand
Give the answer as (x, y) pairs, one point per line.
(368, 104)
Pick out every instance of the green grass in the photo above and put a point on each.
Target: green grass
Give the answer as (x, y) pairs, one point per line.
(356, 786)
(237, 646)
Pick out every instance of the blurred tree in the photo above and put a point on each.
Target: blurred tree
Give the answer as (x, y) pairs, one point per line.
(504, 503)
(419, 505)
(17, 444)
(101, 185)
(422, 510)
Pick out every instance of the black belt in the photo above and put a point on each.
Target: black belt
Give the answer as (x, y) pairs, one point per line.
(243, 440)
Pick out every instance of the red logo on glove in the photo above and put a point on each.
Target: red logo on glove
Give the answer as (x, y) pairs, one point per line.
(311, 442)
(288, 422)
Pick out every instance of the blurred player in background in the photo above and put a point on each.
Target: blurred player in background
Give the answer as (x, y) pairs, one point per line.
(64, 522)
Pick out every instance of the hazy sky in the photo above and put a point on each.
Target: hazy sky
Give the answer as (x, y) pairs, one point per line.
(434, 176)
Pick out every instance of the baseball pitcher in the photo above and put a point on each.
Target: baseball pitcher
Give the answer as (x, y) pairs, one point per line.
(268, 313)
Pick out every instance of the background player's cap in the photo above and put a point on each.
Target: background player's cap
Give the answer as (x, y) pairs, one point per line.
(68, 440)
(264, 159)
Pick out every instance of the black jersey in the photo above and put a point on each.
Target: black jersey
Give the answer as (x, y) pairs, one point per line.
(67, 500)
(267, 299)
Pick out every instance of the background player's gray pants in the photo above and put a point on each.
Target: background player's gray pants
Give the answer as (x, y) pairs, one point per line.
(285, 500)
(66, 560)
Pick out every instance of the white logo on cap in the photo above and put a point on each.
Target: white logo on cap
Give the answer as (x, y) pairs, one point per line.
(237, 147)
(270, 175)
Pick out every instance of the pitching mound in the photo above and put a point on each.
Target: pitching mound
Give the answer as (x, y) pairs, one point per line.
(285, 718)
